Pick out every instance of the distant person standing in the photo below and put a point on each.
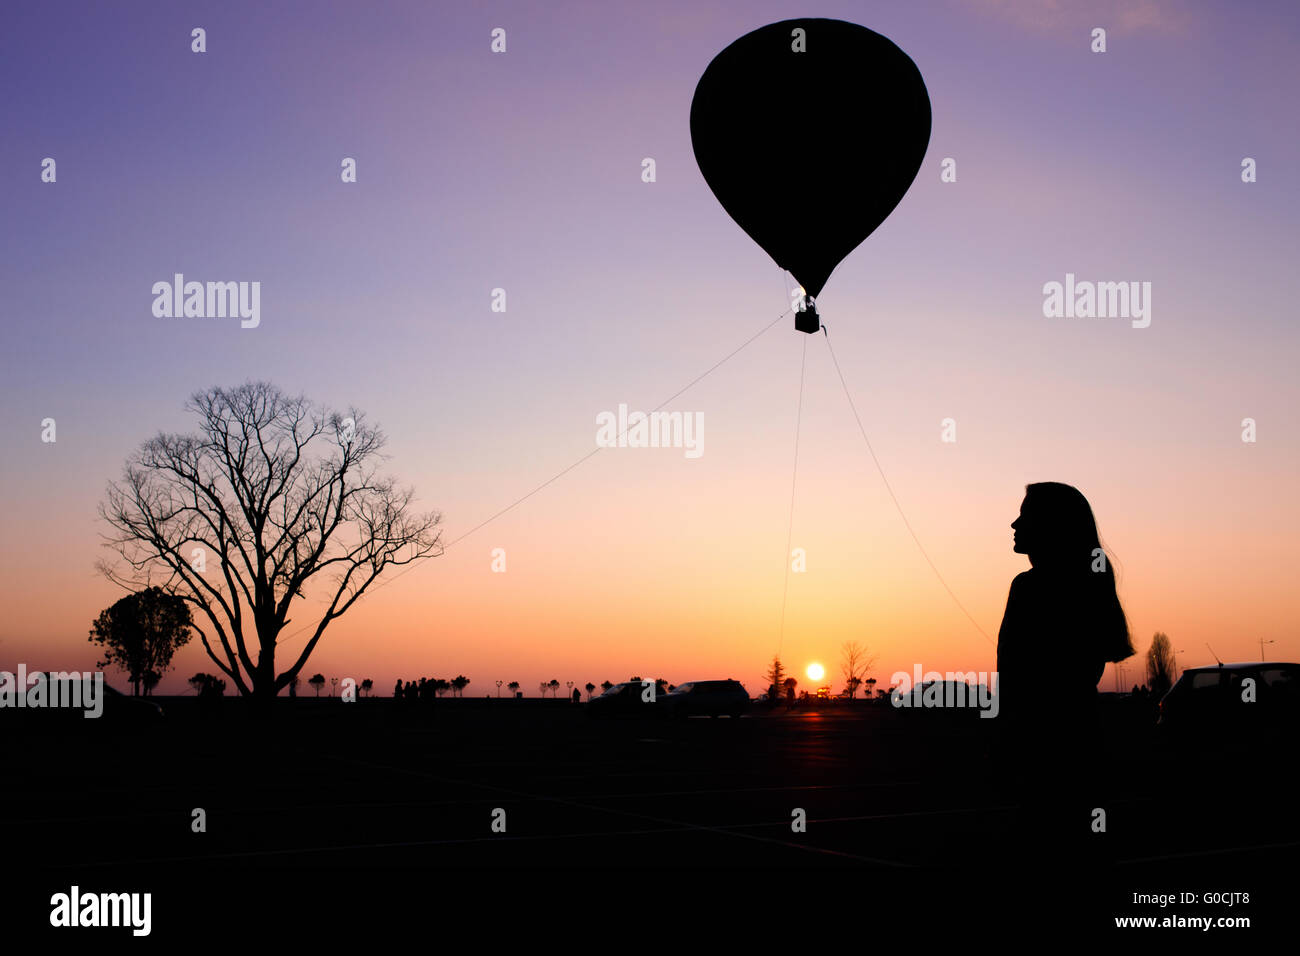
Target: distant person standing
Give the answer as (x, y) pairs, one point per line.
(577, 696)
(1062, 623)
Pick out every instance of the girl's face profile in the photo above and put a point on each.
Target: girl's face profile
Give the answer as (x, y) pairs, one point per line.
(1023, 528)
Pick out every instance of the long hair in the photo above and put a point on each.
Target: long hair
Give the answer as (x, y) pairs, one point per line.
(1069, 546)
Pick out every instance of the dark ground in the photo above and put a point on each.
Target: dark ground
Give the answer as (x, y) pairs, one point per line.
(373, 812)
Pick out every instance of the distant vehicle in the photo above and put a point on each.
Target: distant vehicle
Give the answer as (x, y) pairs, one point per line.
(710, 698)
(626, 699)
(1217, 698)
(119, 707)
(950, 700)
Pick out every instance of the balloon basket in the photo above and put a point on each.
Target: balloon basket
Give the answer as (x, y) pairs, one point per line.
(807, 320)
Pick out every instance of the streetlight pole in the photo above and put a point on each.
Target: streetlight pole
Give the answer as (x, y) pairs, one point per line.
(1262, 642)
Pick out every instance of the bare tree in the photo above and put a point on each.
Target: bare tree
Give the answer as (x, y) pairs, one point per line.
(272, 494)
(855, 662)
(1161, 665)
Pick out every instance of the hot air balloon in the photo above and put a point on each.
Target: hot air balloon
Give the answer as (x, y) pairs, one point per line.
(809, 132)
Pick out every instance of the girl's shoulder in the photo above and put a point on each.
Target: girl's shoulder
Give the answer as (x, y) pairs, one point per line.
(1024, 581)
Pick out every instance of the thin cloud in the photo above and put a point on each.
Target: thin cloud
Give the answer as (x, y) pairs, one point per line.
(1121, 17)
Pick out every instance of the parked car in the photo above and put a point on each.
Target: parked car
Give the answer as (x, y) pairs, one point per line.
(710, 698)
(1217, 698)
(626, 699)
(122, 708)
(943, 700)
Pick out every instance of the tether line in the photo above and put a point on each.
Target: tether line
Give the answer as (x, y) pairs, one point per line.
(907, 524)
(560, 474)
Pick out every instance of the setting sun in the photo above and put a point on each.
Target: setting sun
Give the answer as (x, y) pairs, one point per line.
(816, 671)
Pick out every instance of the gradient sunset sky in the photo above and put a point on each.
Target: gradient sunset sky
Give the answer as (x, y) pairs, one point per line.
(523, 171)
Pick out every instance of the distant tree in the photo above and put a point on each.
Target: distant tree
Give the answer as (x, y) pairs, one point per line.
(317, 682)
(775, 676)
(367, 686)
(661, 686)
(605, 685)
(441, 686)
(855, 662)
(871, 685)
(141, 632)
(789, 684)
(513, 687)
(459, 684)
(555, 686)
(150, 681)
(208, 685)
(1160, 664)
(591, 689)
(543, 687)
(283, 496)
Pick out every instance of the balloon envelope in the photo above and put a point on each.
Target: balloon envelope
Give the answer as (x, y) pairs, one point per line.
(810, 151)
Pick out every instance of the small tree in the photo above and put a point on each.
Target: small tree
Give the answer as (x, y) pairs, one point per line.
(367, 686)
(317, 682)
(554, 685)
(514, 687)
(459, 684)
(1161, 665)
(208, 685)
(775, 676)
(140, 633)
(591, 689)
(605, 685)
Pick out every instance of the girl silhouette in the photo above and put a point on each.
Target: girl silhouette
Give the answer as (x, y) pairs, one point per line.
(1063, 622)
